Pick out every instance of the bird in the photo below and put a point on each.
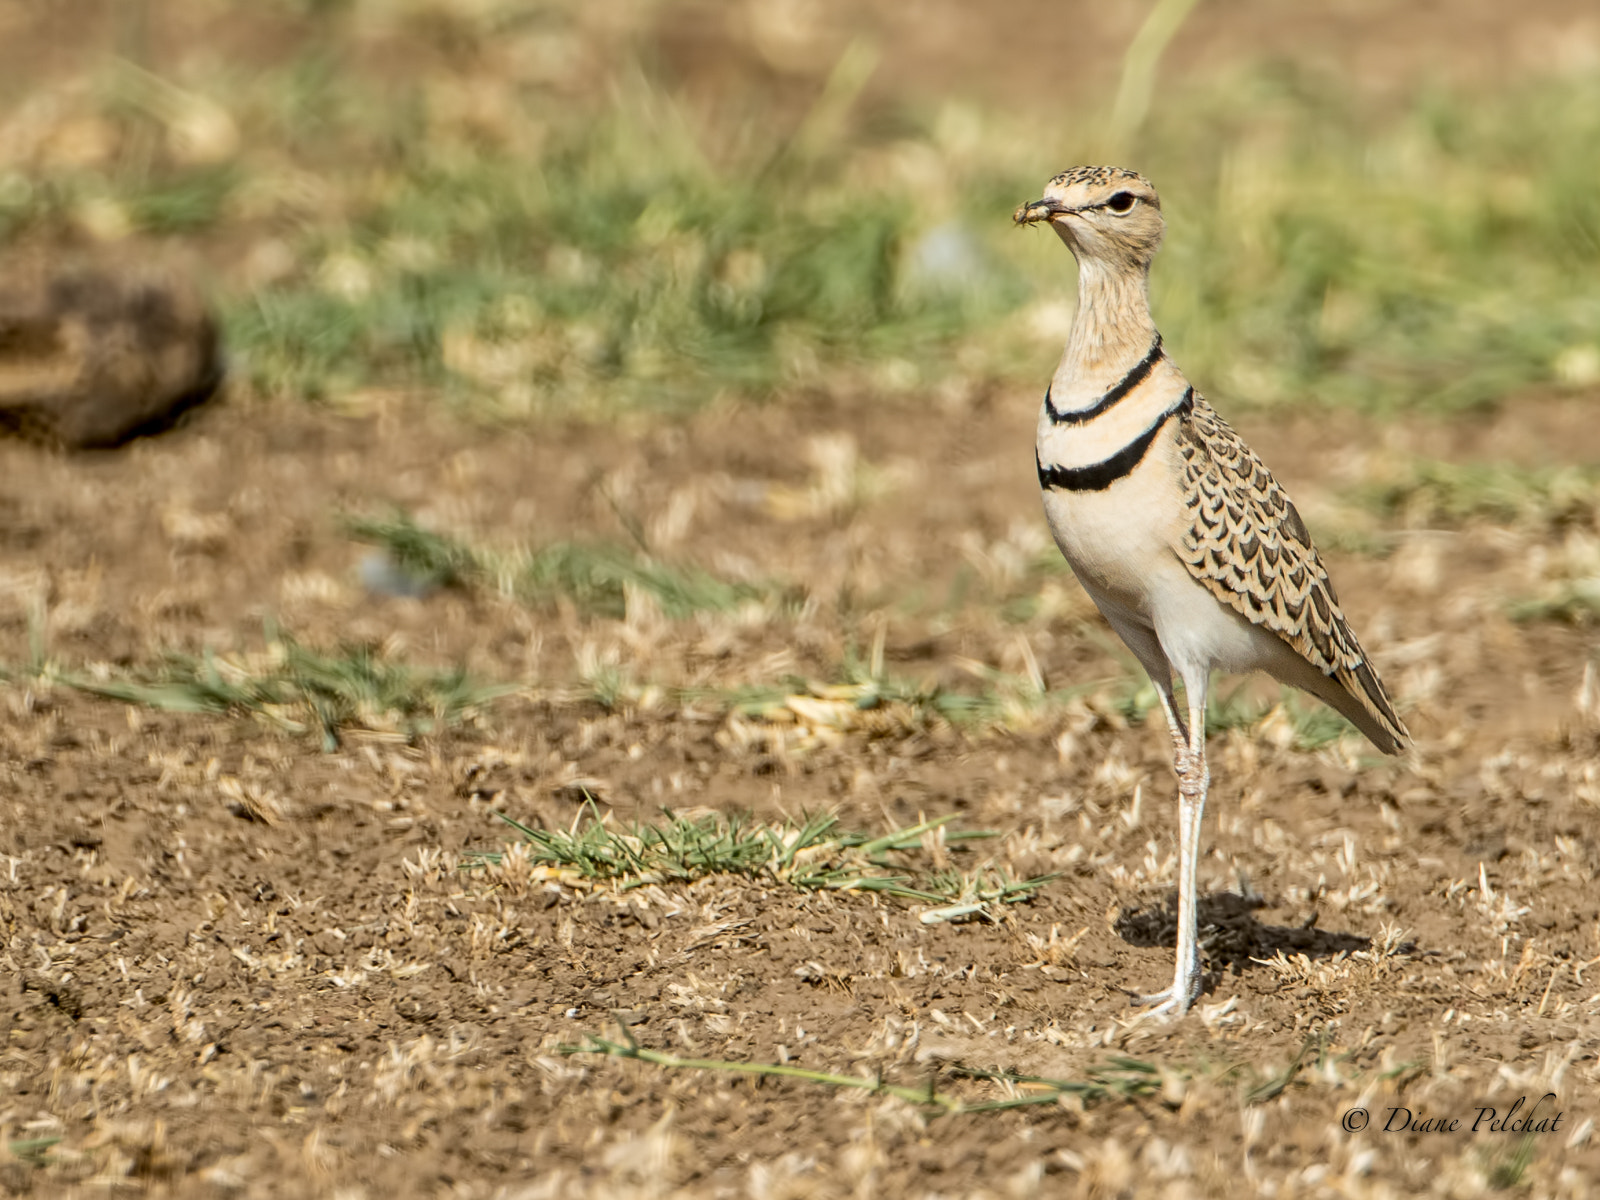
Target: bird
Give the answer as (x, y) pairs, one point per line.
(1189, 547)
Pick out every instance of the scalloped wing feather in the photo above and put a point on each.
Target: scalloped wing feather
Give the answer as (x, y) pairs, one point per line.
(1245, 543)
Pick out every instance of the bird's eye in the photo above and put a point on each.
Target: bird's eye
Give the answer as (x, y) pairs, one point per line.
(1122, 202)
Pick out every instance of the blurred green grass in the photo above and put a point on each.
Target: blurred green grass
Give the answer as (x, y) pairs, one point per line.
(1440, 256)
(595, 577)
(303, 690)
(1427, 493)
(618, 251)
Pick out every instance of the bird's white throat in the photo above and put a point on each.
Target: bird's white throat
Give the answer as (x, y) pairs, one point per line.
(1110, 333)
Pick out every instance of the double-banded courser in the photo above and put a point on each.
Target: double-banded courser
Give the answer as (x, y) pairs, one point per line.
(1179, 533)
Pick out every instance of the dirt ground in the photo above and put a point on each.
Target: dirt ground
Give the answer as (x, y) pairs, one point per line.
(240, 964)
(232, 963)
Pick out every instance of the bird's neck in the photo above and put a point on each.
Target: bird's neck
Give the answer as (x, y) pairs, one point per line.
(1112, 330)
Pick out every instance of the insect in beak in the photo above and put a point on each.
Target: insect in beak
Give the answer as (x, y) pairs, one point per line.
(1037, 210)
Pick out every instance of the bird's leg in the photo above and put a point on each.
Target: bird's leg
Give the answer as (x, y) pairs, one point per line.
(1189, 753)
(1193, 781)
(1175, 726)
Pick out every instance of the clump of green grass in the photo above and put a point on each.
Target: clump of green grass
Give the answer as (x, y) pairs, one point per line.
(1559, 503)
(628, 264)
(1311, 724)
(151, 158)
(1439, 255)
(1121, 1078)
(1506, 1167)
(427, 558)
(303, 691)
(814, 855)
(173, 202)
(1574, 601)
(868, 700)
(596, 576)
(1444, 494)
(1301, 264)
(613, 251)
(35, 1152)
(847, 704)
(866, 696)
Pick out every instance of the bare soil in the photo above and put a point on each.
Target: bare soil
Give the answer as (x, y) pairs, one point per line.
(233, 963)
(239, 963)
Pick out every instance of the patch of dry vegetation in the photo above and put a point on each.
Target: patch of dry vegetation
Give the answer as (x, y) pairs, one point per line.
(240, 961)
(812, 855)
(526, 223)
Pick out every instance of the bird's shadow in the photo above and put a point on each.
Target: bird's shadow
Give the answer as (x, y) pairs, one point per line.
(1230, 935)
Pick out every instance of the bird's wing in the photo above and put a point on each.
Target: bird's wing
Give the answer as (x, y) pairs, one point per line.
(1246, 544)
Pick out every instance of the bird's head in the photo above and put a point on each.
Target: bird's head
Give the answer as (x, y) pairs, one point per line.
(1108, 215)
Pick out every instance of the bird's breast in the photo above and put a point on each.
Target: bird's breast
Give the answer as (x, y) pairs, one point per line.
(1112, 502)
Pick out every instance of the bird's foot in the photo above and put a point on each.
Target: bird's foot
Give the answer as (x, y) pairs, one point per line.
(1167, 1003)
(1160, 1005)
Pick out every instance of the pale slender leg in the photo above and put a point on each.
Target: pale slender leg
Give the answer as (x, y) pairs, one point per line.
(1189, 759)
(1175, 725)
(1192, 784)
(1189, 754)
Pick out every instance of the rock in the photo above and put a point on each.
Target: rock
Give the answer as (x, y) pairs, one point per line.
(381, 575)
(947, 260)
(97, 350)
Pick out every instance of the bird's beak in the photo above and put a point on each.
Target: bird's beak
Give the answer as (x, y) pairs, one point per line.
(1038, 210)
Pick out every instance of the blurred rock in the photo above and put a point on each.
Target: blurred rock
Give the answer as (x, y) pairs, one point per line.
(98, 349)
(947, 260)
(381, 575)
